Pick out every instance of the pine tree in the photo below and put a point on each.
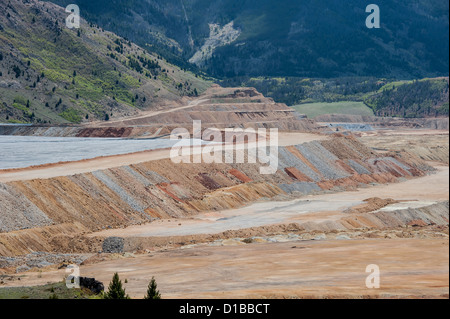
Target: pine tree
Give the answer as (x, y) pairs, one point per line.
(152, 290)
(115, 290)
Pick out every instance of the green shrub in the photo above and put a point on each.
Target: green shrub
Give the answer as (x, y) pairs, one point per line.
(71, 115)
(115, 289)
(152, 290)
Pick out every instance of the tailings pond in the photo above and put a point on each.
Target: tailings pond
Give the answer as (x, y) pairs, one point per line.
(25, 151)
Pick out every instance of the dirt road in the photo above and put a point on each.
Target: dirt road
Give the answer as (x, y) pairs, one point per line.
(147, 114)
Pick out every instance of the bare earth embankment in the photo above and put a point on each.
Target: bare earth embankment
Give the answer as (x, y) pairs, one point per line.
(306, 269)
(288, 249)
(336, 204)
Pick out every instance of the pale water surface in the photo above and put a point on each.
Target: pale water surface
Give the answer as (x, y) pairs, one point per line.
(25, 151)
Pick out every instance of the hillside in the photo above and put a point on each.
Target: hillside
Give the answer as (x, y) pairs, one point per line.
(312, 110)
(310, 38)
(425, 98)
(295, 90)
(51, 74)
(355, 95)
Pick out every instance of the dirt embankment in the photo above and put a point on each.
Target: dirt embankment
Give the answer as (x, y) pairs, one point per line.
(137, 194)
(432, 147)
(217, 108)
(371, 204)
(425, 222)
(387, 122)
(428, 222)
(83, 131)
(409, 268)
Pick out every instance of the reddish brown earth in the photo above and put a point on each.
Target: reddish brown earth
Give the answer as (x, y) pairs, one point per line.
(137, 194)
(409, 268)
(207, 228)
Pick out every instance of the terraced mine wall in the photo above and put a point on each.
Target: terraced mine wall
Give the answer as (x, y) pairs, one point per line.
(39, 215)
(217, 108)
(83, 131)
(148, 130)
(433, 148)
(386, 122)
(436, 215)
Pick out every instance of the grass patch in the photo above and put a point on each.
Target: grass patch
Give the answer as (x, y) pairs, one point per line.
(71, 115)
(16, 122)
(50, 291)
(315, 109)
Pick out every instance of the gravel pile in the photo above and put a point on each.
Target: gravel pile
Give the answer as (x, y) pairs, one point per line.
(287, 159)
(321, 151)
(324, 164)
(358, 167)
(17, 212)
(435, 214)
(396, 162)
(154, 177)
(385, 165)
(113, 245)
(40, 260)
(119, 191)
(301, 187)
(27, 130)
(84, 182)
(139, 177)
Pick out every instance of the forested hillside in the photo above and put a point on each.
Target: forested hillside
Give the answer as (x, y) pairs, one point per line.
(51, 74)
(308, 38)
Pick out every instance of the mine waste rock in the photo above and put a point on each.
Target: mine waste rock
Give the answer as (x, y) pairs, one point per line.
(113, 245)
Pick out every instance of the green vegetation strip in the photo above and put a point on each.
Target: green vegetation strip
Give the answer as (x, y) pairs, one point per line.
(50, 291)
(315, 109)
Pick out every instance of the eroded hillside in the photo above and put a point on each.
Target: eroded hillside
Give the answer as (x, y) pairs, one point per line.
(52, 74)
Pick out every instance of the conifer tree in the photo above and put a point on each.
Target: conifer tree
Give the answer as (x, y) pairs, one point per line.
(152, 290)
(115, 289)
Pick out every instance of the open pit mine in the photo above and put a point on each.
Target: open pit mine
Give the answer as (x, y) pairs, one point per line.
(340, 200)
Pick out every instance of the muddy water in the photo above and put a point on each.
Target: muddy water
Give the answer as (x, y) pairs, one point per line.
(25, 151)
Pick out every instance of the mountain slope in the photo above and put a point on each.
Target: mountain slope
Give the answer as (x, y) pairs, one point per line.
(424, 98)
(418, 98)
(50, 74)
(309, 38)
